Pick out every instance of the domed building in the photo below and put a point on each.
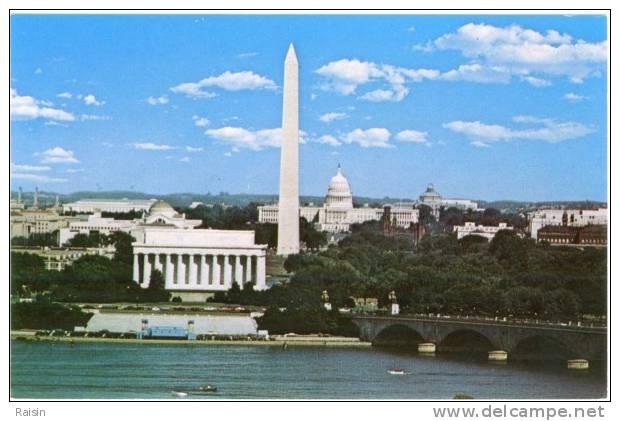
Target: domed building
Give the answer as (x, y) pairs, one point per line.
(431, 198)
(339, 192)
(161, 213)
(338, 213)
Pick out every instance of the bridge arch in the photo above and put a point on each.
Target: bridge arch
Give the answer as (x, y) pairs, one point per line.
(465, 339)
(397, 334)
(542, 347)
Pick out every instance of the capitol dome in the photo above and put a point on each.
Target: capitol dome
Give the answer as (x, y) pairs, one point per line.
(339, 192)
(162, 207)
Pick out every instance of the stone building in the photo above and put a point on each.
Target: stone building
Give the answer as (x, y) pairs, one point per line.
(108, 205)
(589, 235)
(568, 217)
(431, 198)
(337, 214)
(486, 231)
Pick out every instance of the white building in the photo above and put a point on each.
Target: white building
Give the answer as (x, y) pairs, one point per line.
(159, 214)
(486, 231)
(26, 222)
(433, 199)
(337, 214)
(108, 205)
(198, 260)
(568, 217)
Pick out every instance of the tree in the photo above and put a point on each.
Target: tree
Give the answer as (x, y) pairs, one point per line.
(123, 249)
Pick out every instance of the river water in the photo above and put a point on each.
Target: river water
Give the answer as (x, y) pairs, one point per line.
(59, 370)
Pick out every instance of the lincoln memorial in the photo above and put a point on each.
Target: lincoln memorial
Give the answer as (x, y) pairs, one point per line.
(198, 260)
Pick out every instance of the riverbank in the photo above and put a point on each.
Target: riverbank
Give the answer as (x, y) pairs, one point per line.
(276, 341)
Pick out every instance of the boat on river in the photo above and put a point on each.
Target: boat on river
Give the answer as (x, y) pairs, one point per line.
(396, 371)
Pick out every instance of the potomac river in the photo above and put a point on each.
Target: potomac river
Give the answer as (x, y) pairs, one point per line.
(83, 370)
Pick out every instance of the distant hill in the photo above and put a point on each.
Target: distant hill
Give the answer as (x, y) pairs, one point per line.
(47, 198)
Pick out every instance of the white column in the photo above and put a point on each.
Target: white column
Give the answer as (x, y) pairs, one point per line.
(238, 271)
(180, 271)
(136, 267)
(193, 276)
(227, 272)
(260, 273)
(248, 269)
(204, 270)
(216, 271)
(169, 271)
(147, 272)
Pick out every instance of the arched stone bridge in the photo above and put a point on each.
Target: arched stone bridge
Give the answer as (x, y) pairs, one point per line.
(517, 339)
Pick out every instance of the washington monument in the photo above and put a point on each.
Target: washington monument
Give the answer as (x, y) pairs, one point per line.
(288, 204)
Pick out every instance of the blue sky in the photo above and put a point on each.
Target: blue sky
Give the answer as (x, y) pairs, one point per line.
(485, 107)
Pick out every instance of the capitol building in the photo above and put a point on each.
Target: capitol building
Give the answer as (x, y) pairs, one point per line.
(337, 214)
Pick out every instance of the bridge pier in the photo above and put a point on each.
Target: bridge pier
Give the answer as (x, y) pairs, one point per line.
(426, 348)
(578, 364)
(498, 356)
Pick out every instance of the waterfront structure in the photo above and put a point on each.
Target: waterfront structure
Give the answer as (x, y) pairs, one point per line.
(337, 213)
(431, 198)
(288, 199)
(486, 231)
(201, 324)
(108, 205)
(567, 217)
(57, 258)
(589, 235)
(198, 260)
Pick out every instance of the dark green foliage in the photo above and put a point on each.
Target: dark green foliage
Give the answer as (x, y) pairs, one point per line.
(37, 240)
(47, 315)
(510, 276)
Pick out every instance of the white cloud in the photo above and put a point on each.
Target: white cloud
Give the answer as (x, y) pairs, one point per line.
(369, 138)
(54, 123)
(381, 95)
(228, 81)
(411, 29)
(158, 100)
(185, 159)
(524, 51)
(37, 178)
(201, 121)
(573, 97)
(192, 149)
(38, 71)
(90, 99)
(479, 144)
(74, 170)
(255, 140)
(329, 140)
(27, 107)
(545, 129)
(148, 146)
(412, 136)
(29, 168)
(93, 117)
(329, 117)
(536, 81)
(344, 76)
(476, 72)
(58, 155)
(247, 55)
(66, 95)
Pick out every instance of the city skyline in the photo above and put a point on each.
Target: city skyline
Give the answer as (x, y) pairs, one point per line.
(134, 105)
